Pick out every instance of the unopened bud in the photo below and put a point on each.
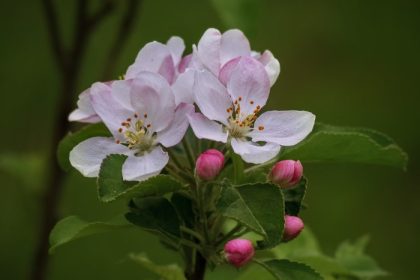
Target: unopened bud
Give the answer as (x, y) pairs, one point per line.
(239, 252)
(209, 164)
(286, 173)
(292, 227)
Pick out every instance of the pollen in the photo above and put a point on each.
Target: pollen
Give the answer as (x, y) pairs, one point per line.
(118, 141)
(149, 125)
(145, 116)
(258, 107)
(261, 127)
(136, 116)
(251, 102)
(129, 119)
(120, 130)
(240, 98)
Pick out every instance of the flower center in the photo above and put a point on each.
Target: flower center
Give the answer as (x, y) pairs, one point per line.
(137, 134)
(241, 124)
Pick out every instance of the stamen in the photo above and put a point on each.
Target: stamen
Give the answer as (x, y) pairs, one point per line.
(120, 130)
(261, 127)
(240, 98)
(149, 125)
(145, 116)
(129, 119)
(136, 116)
(251, 102)
(118, 141)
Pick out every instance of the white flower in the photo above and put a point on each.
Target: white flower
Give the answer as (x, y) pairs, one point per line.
(142, 116)
(231, 113)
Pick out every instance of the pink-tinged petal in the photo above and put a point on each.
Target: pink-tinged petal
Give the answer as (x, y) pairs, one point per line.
(176, 47)
(183, 87)
(208, 50)
(286, 128)
(211, 96)
(174, 133)
(206, 129)
(111, 112)
(271, 65)
(154, 57)
(87, 156)
(249, 85)
(153, 100)
(253, 153)
(233, 44)
(120, 91)
(185, 62)
(142, 167)
(227, 70)
(85, 112)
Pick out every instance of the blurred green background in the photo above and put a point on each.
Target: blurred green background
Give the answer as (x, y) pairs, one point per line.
(352, 63)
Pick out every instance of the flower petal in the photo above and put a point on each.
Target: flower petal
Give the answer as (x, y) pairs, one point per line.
(271, 65)
(140, 168)
(154, 57)
(206, 129)
(120, 91)
(111, 112)
(85, 112)
(153, 100)
(87, 156)
(185, 62)
(183, 87)
(227, 70)
(285, 128)
(233, 44)
(208, 50)
(254, 153)
(211, 96)
(176, 47)
(249, 83)
(174, 133)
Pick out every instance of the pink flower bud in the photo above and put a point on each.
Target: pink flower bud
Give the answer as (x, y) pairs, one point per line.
(286, 173)
(239, 252)
(209, 164)
(292, 227)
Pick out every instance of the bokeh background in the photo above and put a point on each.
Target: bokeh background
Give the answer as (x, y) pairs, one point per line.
(352, 63)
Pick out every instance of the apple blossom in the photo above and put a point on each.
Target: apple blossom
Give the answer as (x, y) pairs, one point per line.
(239, 251)
(230, 114)
(293, 225)
(142, 116)
(286, 173)
(209, 164)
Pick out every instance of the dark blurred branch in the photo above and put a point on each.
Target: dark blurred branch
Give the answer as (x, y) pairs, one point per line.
(69, 62)
(121, 37)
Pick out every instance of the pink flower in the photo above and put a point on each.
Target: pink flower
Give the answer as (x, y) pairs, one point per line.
(286, 173)
(142, 116)
(231, 113)
(239, 252)
(292, 227)
(209, 164)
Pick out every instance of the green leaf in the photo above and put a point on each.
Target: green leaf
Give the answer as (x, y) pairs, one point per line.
(184, 208)
(72, 228)
(111, 185)
(164, 272)
(72, 139)
(352, 257)
(155, 214)
(242, 14)
(293, 197)
(288, 270)
(257, 206)
(354, 145)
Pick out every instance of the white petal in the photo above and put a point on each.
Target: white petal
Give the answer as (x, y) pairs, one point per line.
(211, 96)
(176, 47)
(140, 168)
(152, 96)
(233, 44)
(109, 110)
(208, 50)
(87, 156)
(254, 153)
(206, 129)
(249, 82)
(85, 112)
(183, 87)
(120, 90)
(154, 57)
(174, 133)
(271, 65)
(285, 128)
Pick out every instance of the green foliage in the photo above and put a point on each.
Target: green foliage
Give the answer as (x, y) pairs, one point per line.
(72, 139)
(257, 206)
(163, 272)
(352, 257)
(293, 197)
(354, 145)
(72, 228)
(184, 208)
(242, 14)
(111, 185)
(288, 270)
(155, 214)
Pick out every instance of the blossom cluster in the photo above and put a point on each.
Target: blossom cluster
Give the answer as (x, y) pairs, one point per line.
(219, 90)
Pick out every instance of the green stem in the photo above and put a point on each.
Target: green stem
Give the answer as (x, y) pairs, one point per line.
(228, 235)
(189, 152)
